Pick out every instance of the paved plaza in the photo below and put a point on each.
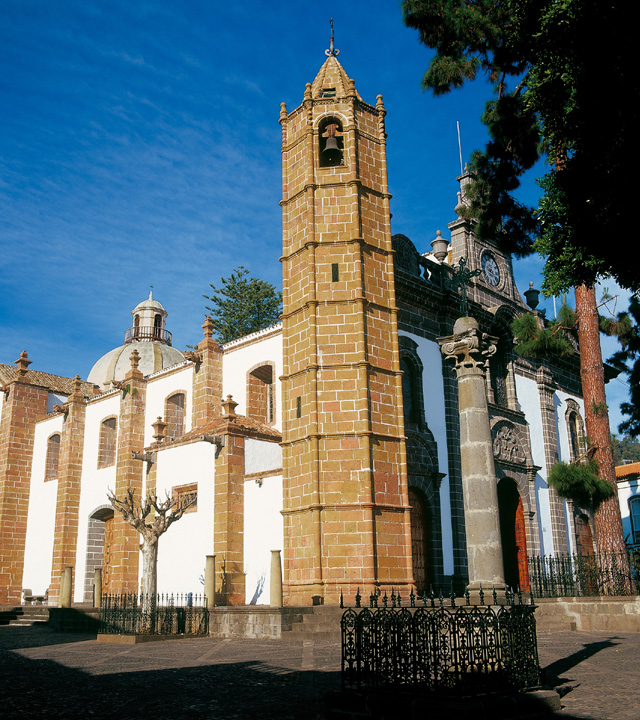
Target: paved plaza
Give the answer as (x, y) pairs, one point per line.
(70, 675)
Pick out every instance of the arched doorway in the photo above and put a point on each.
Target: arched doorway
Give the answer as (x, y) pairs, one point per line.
(99, 544)
(420, 536)
(513, 535)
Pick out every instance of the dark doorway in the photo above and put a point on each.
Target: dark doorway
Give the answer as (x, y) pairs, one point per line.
(513, 535)
(420, 545)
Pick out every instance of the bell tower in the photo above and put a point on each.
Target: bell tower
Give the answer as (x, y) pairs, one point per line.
(346, 508)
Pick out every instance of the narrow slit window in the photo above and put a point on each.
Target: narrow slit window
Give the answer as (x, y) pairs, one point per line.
(335, 272)
(299, 406)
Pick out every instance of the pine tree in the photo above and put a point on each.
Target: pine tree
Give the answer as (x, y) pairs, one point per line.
(546, 48)
(241, 306)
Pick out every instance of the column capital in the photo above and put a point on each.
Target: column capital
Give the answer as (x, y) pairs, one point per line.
(468, 347)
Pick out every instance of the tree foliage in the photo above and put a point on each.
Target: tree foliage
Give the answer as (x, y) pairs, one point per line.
(627, 360)
(559, 92)
(626, 449)
(580, 482)
(541, 340)
(242, 305)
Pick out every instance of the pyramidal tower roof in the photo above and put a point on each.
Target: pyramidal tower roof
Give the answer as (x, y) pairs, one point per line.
(331, 76)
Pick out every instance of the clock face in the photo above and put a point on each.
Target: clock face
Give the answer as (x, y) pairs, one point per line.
(490, 269)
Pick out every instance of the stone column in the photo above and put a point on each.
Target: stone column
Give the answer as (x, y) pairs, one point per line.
(467, 348)
(97, 587)
(275, 584)
(210, 580)
(64, 599)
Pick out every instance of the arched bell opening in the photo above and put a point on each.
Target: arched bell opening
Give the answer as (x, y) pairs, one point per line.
(331, 143)
(513, 534)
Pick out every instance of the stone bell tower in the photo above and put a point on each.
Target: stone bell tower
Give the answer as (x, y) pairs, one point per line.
(346, 510)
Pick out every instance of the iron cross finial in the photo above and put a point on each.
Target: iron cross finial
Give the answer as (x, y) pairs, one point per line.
(332, 52)
(461, 278)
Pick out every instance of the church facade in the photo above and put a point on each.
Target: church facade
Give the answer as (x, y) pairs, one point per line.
(333, 436)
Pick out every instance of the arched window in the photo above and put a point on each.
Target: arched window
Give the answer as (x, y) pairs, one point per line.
(575, 431)
(157, 327)
(107, 442)
(53, 456)
(410, 399)
(174, 415)
(260, 393)
(412, 390)
(331, 145)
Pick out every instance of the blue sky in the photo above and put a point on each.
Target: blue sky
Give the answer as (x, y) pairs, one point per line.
(140, 145)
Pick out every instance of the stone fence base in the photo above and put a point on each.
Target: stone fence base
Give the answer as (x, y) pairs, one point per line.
(588, 614)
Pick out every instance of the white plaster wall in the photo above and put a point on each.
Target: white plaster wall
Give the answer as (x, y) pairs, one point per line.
(95, 482)
(237, 362)
(159, 389)
(263, 532)
(434, 410)
(183, 548)
(260, 456)
(626, 490)
(41, 518)
(529, 400)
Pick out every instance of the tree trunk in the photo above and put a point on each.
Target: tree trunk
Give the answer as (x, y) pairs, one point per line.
(609, 537)
(149, 550)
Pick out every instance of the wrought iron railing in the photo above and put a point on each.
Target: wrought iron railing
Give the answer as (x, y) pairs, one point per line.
(583, 575)
(132, 614)
(147, 333)
(446, 645)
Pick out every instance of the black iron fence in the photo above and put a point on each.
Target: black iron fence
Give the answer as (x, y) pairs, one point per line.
(446, 645)
(132, 614)
(584, 575)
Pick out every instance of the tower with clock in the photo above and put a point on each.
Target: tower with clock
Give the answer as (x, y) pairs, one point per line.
(494, 283)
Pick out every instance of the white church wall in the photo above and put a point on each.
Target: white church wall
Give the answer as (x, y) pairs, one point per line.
(95, 481)
(263, 532)
(263, 526)
(183, 548)
(41, 518)
(529, 400)
(160, 387)
(627, 489)
(237, 361)
(434, 409)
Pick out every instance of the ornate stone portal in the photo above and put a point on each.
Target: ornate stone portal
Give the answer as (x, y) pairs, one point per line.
(468, 348)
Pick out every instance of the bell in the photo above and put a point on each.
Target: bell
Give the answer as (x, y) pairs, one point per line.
(331, 153)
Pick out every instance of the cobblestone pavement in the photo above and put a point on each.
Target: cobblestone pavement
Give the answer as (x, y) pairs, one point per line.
(65, 675)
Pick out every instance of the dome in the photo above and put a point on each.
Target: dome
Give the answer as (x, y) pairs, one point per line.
(115, 364)
(149, 337)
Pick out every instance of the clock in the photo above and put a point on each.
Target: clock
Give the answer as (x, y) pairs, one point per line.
(490, 269)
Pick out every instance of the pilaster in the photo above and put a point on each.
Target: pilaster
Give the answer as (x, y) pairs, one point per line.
(68, 496)
(24, 404)
(129, 473)
(550, 438)
(207, 384)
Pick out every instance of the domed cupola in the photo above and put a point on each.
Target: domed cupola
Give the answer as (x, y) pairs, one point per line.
(149, 337)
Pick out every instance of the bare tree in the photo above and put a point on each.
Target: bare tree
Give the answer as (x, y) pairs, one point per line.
(151, 518)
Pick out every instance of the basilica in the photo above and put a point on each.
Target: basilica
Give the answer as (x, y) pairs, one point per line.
(333, 436)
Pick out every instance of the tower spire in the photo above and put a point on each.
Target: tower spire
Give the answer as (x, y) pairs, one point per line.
(332, 52)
